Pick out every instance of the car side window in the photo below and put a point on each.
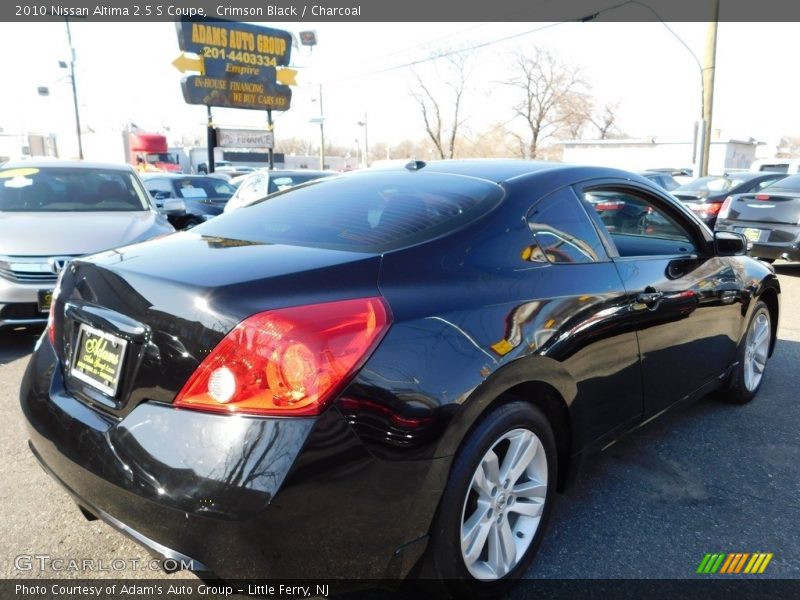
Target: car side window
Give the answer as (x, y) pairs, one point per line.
(636, 225)
(252, 188)
(765, 183)
(563, 229)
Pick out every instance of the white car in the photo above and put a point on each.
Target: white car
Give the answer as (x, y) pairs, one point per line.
(264, 182)
(52, 211)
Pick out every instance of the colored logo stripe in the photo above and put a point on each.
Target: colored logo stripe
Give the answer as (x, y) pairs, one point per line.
(734, 562)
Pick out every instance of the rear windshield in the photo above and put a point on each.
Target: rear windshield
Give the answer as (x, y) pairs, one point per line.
(64, 189)
(715, 184)
(363, 212)
(789, 184)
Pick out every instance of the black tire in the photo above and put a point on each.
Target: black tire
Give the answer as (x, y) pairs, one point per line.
(737, 390)
(192, 222)
(443, 570)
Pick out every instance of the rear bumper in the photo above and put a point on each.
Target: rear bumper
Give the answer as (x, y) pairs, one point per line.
(780, 241)
(244, 498)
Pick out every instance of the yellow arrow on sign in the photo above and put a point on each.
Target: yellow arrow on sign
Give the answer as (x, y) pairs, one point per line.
(286, 76)
(183, 63)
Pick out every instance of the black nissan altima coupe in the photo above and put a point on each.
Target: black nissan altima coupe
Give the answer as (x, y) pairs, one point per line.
(389, 373)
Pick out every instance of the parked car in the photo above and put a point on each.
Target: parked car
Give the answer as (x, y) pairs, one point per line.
(202, 168)
(705, 195)
(235, 170)
(788, 166)
(661, 179)
(52, 211)
(205, 196)
(681, 175)
(387, 369)
(769, 219)
(260, 184)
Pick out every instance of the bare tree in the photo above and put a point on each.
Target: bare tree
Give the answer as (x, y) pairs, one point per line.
(605, 120)
(293, 145)
(441, 112)
(553, 98)
(788, 146)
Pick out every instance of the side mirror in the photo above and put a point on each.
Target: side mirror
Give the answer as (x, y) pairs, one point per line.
(174, 207)
(730, 243)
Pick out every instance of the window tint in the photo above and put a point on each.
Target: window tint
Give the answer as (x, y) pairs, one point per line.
(765, 183)
(56, 189)
(362, 212)
(636, 225)
(564, 231)
(791, 183)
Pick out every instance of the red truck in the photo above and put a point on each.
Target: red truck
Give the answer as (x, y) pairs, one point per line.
(147, 152)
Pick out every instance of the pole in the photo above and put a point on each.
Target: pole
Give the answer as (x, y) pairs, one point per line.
(321, 133)
(699, 145)
(271, 150)
(366, 142)
(74, 89)
(210, 142)
(709, 67)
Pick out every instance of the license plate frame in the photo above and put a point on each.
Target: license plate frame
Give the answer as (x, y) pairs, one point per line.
(92, 361)
(753, 234)
(44, 298)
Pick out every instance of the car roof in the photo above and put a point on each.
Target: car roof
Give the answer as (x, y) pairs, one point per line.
(58, 163)
(495, 170)
(503, 170)
(180, 176)
(279, 172)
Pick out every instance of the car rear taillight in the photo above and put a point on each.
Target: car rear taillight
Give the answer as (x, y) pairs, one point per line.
(762, 196)
(289, 361)
(725, 208)
(51, 324)
(610, 205)
(51, 317)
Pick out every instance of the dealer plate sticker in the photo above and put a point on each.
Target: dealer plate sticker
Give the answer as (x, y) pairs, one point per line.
(752, 234)
(98, 359)
(44, 300)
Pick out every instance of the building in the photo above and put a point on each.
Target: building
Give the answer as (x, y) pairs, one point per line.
(643, 154)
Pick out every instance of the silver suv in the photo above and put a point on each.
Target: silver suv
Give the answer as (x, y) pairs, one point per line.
(52, 211)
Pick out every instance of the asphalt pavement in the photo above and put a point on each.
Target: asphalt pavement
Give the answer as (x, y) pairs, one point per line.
(706, 479)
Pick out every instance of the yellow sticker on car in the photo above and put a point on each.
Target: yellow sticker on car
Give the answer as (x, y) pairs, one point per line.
(22, 172)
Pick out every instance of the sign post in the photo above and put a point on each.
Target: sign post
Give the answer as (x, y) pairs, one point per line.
(239, 65)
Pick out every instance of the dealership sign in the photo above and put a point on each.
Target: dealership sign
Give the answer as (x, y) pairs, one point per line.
(239, 64)
(244, 138)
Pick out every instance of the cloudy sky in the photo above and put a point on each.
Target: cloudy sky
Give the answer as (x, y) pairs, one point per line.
(124, 74)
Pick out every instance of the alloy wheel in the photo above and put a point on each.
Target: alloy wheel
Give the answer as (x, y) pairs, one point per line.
(503, 505)
(756, 351)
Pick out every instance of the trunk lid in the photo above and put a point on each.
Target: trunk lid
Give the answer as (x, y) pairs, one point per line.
(162, 307)
(764, 207)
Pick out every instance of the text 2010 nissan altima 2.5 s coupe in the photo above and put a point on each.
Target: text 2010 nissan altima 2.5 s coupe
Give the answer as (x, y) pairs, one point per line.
(387, 372)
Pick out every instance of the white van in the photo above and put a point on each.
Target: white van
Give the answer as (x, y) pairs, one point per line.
(777, 165)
